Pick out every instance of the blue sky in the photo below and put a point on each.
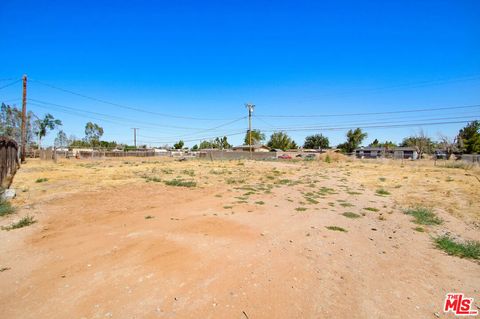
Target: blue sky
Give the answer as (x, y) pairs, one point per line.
(206, 59)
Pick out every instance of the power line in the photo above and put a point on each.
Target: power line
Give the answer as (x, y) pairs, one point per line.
(127, 106)
(371, 113)
(370, 126)
(10, 84)
(35, 102)
(201, 131)
(359, 124)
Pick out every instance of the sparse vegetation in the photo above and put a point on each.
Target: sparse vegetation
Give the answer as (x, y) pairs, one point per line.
(180, 183)
(301, 209)
(25, 221)
(372, 209)
(41, 180)
(336, 228)
(351, 215)
(6, 208)
(424, 216)
(382, 192)
(466, 249)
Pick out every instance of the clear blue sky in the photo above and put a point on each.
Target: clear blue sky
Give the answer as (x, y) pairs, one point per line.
(207, 58)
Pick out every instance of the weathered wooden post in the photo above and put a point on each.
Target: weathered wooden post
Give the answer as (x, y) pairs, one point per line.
(9, 163)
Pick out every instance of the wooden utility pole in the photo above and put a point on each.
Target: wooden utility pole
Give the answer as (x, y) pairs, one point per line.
(135, 136)
(250, 108)
(24, 121)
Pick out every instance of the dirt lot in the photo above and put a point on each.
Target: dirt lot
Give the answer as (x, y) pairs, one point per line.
(245, 240)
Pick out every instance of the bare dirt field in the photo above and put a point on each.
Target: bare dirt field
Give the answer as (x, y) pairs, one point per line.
(157, 238)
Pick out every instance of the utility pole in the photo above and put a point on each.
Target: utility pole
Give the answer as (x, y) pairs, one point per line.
(24, 121)
(250, 108)
(135, 136)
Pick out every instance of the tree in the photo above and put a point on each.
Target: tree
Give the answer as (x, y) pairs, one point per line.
(257, 137)
(281, 141)
(469, 138)
(205, 144)
(448, 144)
(386, 144)
(195, 147)
(375, 143)
(354, 140)
(421, 142)
(317, 141)
(178, 145)
(221, 143)
(11, 123)
(48, 123)
(61, 140)
(93, 133)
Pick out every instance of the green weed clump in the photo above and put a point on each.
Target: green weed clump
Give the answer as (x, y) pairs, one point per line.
(6, 208)
(382, 192)
(336, 228)
(180, 183)
(25, 221)
(467, 249)
(350, 215)
(41, 180)
(423, 216)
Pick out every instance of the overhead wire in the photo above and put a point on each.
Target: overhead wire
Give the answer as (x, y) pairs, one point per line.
(126, 106)
(10, 84)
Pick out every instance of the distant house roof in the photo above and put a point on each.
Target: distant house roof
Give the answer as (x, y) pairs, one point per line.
(247, 147)
(406, 148)
(378, 149)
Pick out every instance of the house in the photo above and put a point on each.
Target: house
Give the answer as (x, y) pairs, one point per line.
(405, 153)
(255, 148)
(370, 152)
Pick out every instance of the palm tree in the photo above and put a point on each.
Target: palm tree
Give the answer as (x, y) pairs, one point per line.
(44, 125)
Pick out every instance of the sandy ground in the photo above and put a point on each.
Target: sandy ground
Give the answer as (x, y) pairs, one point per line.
(112, 240)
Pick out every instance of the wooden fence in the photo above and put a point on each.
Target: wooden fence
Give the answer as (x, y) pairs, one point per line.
(9, 163)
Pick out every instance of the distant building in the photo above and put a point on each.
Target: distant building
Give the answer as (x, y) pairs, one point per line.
(381, 152)
(255, 148)
(405, 153)
(370, 152)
